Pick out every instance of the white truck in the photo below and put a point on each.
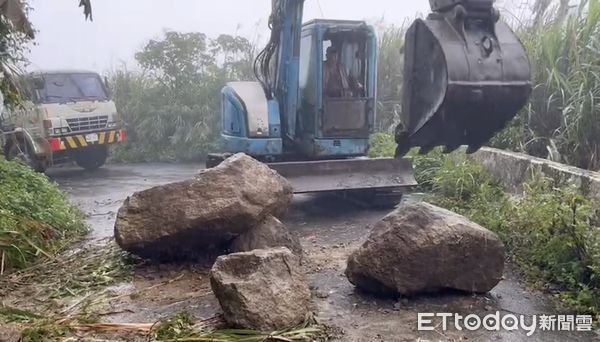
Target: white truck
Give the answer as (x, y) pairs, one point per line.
(68, 115)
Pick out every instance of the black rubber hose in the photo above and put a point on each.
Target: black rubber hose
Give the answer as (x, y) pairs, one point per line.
(263, 62)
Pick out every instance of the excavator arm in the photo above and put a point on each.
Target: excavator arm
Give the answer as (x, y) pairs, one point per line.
(466, 75)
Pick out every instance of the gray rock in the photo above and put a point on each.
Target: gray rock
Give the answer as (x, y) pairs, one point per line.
(202, 215)
(268, 234)
(420, 248)
(261, 290)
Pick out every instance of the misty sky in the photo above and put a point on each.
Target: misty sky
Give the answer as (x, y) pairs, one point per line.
(121, 27)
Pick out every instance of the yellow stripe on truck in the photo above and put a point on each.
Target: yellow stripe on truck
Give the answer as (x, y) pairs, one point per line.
(71, 142)
(82, 141)
(79, 141)
(111, 137)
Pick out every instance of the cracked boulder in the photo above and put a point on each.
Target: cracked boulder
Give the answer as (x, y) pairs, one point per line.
(263, 289)
(200, 216)
(420, 248)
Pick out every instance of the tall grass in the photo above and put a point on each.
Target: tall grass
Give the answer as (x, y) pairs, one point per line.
(389, 76)
(561, 121)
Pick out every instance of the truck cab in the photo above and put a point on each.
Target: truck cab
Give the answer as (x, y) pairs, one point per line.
(68, 115)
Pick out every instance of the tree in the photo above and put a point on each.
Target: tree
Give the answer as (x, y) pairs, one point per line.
(15, 32)
(235, 52)
(173, 107)
(179, 62)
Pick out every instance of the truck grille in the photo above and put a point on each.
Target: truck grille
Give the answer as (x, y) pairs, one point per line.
(88, 123)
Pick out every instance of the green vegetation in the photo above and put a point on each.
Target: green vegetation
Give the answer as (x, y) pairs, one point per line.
(390, 68)
(15, 34)
(551, 231)
(561, 121)
(172, 108)
(36, 219)
(382, 145)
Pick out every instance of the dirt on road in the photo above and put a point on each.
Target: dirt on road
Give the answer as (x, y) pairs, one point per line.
(329, 228)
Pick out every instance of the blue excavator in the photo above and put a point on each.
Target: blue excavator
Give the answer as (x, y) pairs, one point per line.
(312, 109)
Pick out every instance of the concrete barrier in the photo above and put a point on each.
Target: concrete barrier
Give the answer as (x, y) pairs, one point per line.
(513, 169)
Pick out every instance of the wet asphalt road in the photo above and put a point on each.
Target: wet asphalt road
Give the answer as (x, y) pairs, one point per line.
(101, 193)
(329, 229)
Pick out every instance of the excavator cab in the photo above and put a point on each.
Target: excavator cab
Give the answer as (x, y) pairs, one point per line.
(466, 75)
(336, 97)
(330, 130)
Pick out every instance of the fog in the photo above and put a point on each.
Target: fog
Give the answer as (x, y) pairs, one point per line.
(121, 27)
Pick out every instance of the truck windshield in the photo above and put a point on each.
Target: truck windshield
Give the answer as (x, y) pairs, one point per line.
(72, 87)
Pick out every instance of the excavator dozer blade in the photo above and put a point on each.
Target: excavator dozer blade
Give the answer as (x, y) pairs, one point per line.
(466, 76)
(347, 174)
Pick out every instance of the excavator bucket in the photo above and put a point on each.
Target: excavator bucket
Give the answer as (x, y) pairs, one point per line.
(466, 76)
(384, 174)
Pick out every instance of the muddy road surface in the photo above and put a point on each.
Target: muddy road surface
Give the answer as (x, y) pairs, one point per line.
(329, 229)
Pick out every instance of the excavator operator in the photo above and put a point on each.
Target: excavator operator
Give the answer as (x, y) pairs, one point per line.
(336, 81)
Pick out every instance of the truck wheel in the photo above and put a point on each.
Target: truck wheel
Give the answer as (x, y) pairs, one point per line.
(91, 158)
(19, 152)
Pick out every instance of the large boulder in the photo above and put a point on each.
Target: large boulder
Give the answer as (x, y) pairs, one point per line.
(268, 234)
(201, 215)
(420, 248)
(261, 290)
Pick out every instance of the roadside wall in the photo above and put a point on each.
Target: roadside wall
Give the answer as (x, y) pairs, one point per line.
(513, 169)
